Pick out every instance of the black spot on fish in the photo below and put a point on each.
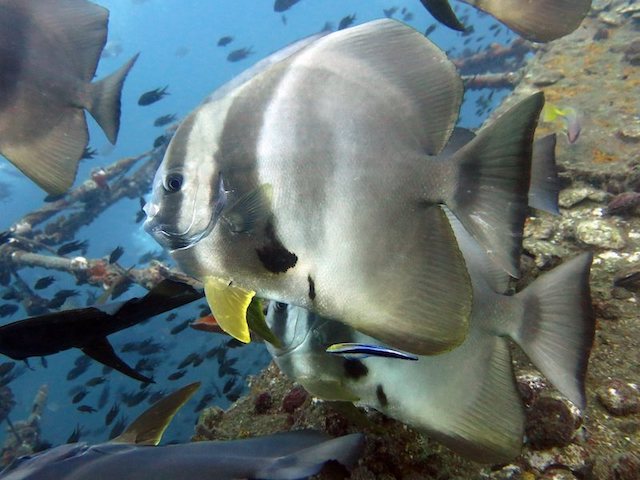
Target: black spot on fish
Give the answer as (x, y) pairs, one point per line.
(382, 397)
(274, 256)
(354, 368)
(312, 288)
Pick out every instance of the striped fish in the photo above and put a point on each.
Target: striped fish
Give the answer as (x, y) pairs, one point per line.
(311, 180)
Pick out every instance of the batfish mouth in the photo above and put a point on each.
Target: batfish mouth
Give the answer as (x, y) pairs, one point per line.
(170, 240)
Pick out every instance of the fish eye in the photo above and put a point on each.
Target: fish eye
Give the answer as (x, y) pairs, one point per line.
(281, 306)
(173, 182)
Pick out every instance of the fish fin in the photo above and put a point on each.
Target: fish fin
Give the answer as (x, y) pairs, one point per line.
(484, 417)
(476, 259)
(206, 324)
(545, 184)
(309, 460)
(442, 11)
(148, 428)
(250, 209)
(558, 326)
(50, 157)
(229, 305)
(104, 100)
(490, 197)
(327, 388)
(102, 351)
(539, 21)
(423, 306)
(79, 29)
(424, 89)
(258, 323)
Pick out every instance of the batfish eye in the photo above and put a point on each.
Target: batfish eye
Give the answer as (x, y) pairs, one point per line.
(173, 182)
(281, 306)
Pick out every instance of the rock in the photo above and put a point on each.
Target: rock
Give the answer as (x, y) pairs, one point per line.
(551, 422)
(294, 399)
(508, 472)
(599, 233)
(632, 53)
(558, 474)
(547, 77)
(619, 397)
(631, 132)
(574, 458)
(625, 467)
(263, 403)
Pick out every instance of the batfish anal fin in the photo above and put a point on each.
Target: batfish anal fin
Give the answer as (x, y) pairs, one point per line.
(102, 351)
(229, 304)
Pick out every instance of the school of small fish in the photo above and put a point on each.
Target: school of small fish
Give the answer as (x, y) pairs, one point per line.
(330, 182)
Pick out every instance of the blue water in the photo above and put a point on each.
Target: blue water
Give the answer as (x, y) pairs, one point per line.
(158, 29)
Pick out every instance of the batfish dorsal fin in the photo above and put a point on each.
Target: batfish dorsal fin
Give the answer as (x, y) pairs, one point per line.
(149, 427)
(102, 351)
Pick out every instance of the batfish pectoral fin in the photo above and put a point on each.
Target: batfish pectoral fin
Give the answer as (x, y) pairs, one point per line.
(327, 388)
(258, 323)
(102, 351)
(421, 302)
(148, 428)
(229, 304)
(250, 209)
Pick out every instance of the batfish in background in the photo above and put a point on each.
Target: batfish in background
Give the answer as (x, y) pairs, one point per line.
(535, 20)
(466, 398)
(88, 328)
(311, 180)
(49, 52)
(134, 455)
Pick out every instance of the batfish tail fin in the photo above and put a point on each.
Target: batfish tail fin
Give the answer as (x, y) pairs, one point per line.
(103, 352)
(310, 459)
(557, 328)
(490, 194)
(104, 100)
(442, 11)
(539, 21)
(545, 184)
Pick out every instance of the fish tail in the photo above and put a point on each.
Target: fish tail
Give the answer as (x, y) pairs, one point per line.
(104, 100)
(545, 184)
(490, 194)
(558, 325)
(310, 460)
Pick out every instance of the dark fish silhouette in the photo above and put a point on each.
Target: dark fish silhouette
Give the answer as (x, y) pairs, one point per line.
(283, 5)
(180, 327)
(346, 21)
(164, 120)
(43, 283)
(78, 397)
(239, 54)
(115, 255)
(50, 51)
(8, 309)
(86, 409)
(87, 328)
(73, 247)
(152, 96)
(75, 435)
(112, 414)
(224, 41)
(176, 375)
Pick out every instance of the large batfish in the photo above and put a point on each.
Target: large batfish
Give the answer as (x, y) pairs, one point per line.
(311, 180)
(49, 52)
(466, 398)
